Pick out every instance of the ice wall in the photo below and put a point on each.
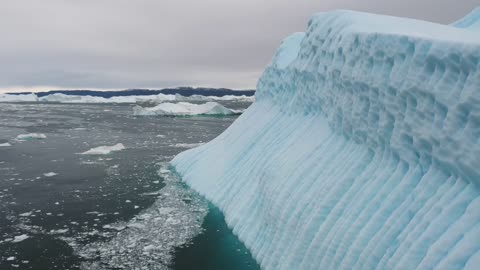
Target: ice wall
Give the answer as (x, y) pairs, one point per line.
(360, 152)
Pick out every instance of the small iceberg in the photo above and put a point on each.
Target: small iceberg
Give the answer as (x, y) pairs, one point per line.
(184, 109)
(104, 150)
(5, 144)
(31, 136)
(50, 174)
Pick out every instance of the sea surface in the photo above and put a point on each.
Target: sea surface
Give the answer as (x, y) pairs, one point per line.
(61, 209)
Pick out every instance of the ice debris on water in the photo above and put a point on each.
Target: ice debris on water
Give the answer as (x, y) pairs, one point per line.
(148, 240)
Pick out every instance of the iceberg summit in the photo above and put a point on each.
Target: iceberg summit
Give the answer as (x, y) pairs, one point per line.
(362, 150)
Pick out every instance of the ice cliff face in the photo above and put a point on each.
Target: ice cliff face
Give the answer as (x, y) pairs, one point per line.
(362, 150)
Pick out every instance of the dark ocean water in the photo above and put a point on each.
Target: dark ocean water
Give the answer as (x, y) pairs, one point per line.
(60, 209)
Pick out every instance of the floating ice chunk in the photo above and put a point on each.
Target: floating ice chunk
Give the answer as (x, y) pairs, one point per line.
(163, 171)
(50, 174)
(114, 227)
(5, 144)
(187, 145)
(26, 214)
(20, 238)
(31, 136)
(11, 258)
(59, 231)
(104, 150)
(184, 109)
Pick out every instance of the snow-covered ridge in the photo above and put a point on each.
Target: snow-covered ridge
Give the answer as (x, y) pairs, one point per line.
(360, 152)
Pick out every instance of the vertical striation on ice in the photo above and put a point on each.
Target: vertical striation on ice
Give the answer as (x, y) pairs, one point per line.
(360, 152)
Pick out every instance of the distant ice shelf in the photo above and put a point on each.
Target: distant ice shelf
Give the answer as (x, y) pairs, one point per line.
(72, 99)
(361, 150)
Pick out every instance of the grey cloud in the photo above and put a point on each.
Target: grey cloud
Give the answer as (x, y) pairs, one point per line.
(152, 43)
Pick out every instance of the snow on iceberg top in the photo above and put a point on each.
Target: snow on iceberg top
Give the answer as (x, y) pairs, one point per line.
(407, 85)
(344, 21)
(288, 50)
(471, 21)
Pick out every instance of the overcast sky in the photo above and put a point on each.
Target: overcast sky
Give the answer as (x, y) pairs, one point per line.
(119, 44)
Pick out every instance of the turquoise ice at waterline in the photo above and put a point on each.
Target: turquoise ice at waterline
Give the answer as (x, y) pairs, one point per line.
(362, 150)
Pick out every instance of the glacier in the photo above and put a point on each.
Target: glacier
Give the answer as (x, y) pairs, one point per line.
(361, 150)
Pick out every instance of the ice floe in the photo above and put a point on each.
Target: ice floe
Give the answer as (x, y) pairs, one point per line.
(50, 174)
(20, 238)
(31, 136)
(104, 150)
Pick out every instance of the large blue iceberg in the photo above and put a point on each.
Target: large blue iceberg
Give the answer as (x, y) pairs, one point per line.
(362, 150)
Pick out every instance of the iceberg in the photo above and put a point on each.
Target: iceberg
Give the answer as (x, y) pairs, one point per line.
(361, 150)
(18, 98)
(104, 150)
(244, 98)
(62, 98)
(30, 136)
(78, 99)
(184, 109)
